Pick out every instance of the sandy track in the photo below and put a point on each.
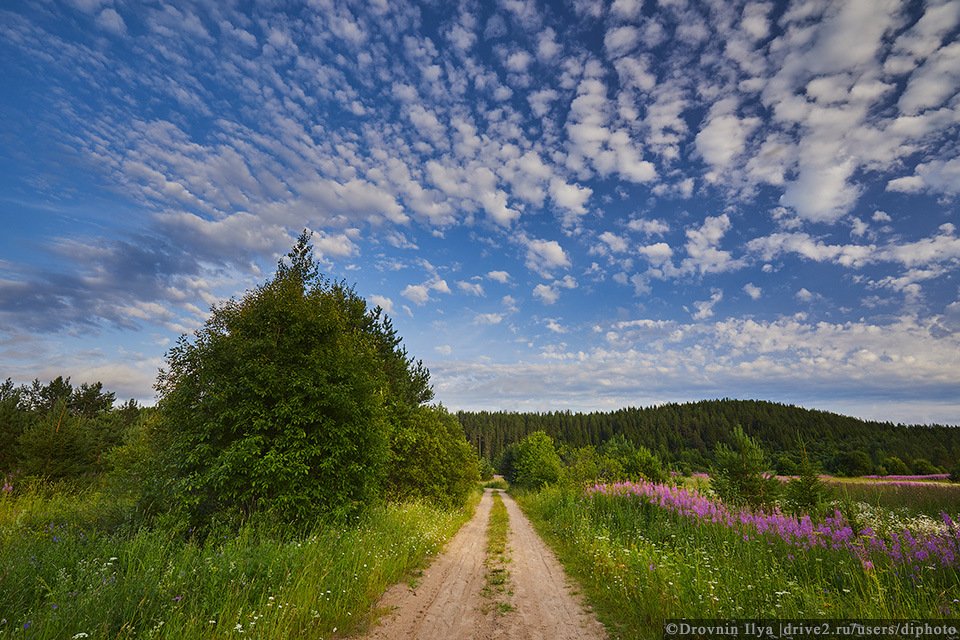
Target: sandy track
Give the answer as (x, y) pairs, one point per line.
(447, 603)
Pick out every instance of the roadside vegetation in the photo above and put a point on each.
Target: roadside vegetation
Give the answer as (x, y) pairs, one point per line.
(292, 469)
(648, 545)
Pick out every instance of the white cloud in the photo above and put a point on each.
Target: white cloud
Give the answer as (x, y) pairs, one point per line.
(723, 138)
(547, 47)
(420, 293)
(571, 197)
(934, 82)
(543, 256)
(936, 175)
(500, 276)
(546, 293)
(621, 40)
(614, 243)
(550, 293)
(417, 293)
(540, 101)
(383, 302)
(471, 288)
(822, 193)
(649, 227)
(518, 62)
(658, 254)
(110, 20)
(705, 307)
(488, 318)
(337, 245)
(881, 216)
(702, 247)
(444, 349)
(753, 290)
(554, 326)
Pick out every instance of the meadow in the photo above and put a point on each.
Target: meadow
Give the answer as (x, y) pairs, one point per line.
(72, 566)
(645, 553)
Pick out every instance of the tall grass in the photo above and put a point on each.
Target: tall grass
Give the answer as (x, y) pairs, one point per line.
(641, 564)
(910, 498)
(62, 578)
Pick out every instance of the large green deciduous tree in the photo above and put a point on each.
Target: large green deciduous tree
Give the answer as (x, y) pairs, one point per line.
(284, 398)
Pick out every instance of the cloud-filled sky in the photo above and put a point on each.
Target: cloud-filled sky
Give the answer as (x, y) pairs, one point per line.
(573, 204)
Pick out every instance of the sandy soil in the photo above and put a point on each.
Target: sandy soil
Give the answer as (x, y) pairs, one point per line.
(447, 603)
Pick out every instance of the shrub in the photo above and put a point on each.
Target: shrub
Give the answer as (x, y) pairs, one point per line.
(923, 467)
(486, 470)
(506, 463)
(955, 472)
(896, 467)
(431, 459)
(807, 493)
(622, 460)
(740, 473)
(537, 462)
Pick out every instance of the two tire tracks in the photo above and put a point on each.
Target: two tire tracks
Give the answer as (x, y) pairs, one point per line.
(448, 602)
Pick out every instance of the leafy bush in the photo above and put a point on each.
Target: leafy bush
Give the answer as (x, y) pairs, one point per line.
(955, 472)
(431, 459)
(624, 461)
(895, 466)
(923, 467)
(853, 464)
(537, 462)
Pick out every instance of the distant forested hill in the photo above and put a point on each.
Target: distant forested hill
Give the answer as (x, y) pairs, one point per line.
(687, 434)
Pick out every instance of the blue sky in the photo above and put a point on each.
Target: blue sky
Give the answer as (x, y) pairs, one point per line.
(573, 204)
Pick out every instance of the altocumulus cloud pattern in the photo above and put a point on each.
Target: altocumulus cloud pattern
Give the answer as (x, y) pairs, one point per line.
(568, 204)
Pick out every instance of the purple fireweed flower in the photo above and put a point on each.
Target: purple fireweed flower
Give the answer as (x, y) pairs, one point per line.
(834, 532)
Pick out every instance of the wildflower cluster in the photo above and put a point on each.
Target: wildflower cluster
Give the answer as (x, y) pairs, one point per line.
(834, 532)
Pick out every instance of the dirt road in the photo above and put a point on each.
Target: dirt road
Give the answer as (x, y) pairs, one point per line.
(447, 603)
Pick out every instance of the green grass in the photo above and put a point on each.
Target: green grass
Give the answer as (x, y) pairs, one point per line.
(497, 483)
(64, 576)
(640, 565)
(497, 588)
(911, 499)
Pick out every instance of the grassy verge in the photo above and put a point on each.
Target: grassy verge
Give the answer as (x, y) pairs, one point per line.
(497, 589)
(909, 498)
(640, 565)
(62, 578)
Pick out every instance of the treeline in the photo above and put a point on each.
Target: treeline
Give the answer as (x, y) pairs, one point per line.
(686, 436)
(59, 431)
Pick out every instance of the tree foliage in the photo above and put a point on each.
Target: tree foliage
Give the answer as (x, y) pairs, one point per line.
(740, 475)
(288, 399)
(537, 462)
(430, 459)
(688, 434)
(55, 430)
(807, 493)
